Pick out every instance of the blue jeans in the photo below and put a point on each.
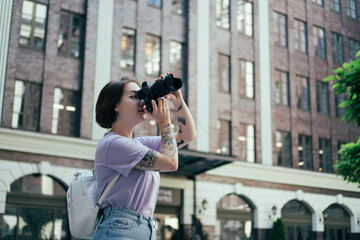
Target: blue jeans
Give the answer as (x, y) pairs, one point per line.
(119, 223)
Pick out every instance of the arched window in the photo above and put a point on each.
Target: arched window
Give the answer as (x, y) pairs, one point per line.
(297, 221)
(35, 209)
(234, 219)
(337, 223)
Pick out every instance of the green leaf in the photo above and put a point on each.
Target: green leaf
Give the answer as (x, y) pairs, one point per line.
(347, 65)
(344, 104)
(339, 71)
(329, 78)
(358, 54)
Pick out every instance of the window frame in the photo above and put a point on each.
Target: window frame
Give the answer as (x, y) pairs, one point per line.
(219, 150)
(325, 156)
(320, 98)
(243, 25)
(222, 57)
(244, 152)
(286, 162)
(26, 99)
(278, 26)
(308, 163)
(129, 68)
(152, 53)
(180, 60)
(299, 33)
(350, 10)
(317, 2)
(320, 52)
(334, 3)
(352, 49)
(69, 32)
(155, 3)
(300, 100)
(62, 114)
(223, 19)
(279, 73)
(244, 75)
(31, 45)
(337, 43)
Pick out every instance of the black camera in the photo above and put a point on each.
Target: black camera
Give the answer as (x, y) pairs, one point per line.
(159, 89)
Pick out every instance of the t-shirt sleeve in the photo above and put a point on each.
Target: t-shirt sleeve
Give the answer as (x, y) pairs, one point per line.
(153, 142)
(123, 154)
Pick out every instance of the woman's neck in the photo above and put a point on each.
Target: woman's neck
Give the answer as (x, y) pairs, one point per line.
(122, 129)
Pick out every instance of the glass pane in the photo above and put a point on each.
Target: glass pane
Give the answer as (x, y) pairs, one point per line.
(152, 55)
(233, 202)
(61, 226)
(295, 208)
(36, 223)
(76, 35)
(224, 73)
(224, 139)
(8, 222)
(63, 32)
(40, 24)
(128, 49)
(175, 58)
(26, 22)
(177, 6)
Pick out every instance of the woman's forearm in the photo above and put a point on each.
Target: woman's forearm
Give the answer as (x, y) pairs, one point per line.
(187, 131)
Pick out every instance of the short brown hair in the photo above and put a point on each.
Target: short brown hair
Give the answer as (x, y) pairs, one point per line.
(109, 96)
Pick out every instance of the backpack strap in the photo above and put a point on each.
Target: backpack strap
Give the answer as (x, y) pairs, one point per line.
(107, 190)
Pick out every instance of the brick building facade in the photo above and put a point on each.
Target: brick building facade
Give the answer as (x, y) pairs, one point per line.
(268, 128)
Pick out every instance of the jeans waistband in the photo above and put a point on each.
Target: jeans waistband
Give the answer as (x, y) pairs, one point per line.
(123, 211)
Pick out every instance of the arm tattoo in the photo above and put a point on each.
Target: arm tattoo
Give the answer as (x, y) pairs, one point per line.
(181, 120)
(168, 141)
(148, 160)
(179, 108)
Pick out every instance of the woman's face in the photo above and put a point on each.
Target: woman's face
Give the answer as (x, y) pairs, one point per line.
(129, 108)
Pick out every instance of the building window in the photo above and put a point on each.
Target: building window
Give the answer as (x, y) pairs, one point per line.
(318, 2)
(152, 55)
(156, 3)
(245, 17)
(128, 49)
(246, 81)
(322, 97)
(305, 153)
(27, 217)
(223, 13)
(224, 73)
(325, 158)
(335, 5)
(351, 8)
(280, 29)
(26, 106)
(70, 34)
(281, 88)
(336, 223)
(175, 58)
(177, 6)
(303, 93)
(224, 142)
(319, 42)
(354, 47)
(340, 111)
(33, 25)
(283, 149)
(337, 48)
(247, 142)
(234, 219)
(66, 113)
(300, 36)
(297, 221)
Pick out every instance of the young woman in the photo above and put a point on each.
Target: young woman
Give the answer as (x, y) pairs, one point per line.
(129, 207)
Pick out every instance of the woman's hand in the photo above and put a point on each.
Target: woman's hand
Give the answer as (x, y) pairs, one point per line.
(161, 112)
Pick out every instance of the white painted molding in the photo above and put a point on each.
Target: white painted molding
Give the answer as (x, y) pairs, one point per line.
(104, 40)
(10, 171)
(260, 172)
(5, 25)
(47, 144)
(203, 77)
(265, 83)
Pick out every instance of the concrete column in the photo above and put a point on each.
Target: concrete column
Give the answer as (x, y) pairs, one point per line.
(5, 25)
(265, 83)
(203, 76)
(103, 56)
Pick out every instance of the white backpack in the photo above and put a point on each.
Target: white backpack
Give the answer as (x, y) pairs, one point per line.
(81, 203)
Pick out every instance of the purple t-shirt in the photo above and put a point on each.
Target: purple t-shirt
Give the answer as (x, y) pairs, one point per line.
(136, 189)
